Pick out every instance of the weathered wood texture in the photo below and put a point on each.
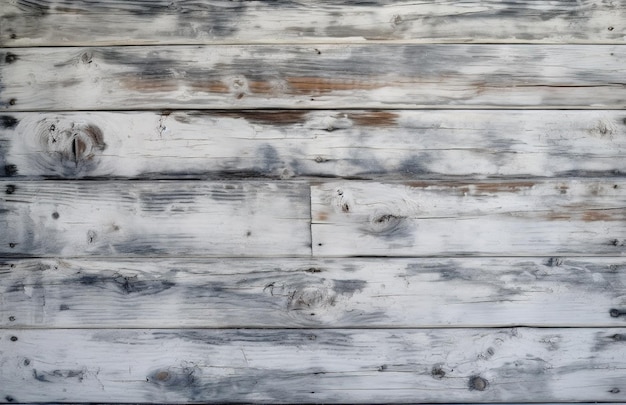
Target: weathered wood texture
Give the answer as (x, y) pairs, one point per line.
(580, 217)
(37, 23)
(313, 366)
(154, 219)
(287, 144)
(322, 76)
(342, 293)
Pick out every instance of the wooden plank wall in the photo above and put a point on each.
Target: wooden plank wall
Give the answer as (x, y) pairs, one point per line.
(312, 201)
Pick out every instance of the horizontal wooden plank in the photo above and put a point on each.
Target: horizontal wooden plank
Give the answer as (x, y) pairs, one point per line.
(54, 22)
(287, 144)
(552, 217)
(320, 76)
(154, 219)
(342, 293)
(313, 366)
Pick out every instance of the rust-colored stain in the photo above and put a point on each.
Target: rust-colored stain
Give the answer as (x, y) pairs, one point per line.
(318, 85)
(322, 216)
(375, 118)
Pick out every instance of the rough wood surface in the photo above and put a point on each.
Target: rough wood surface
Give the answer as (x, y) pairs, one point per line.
(109, 22)
(154, 219)
(580, 217)
(341, 293)
(313, 366)
(309, 76)
(286, 144)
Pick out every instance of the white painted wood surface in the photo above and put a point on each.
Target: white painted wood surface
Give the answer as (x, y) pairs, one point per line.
(313, 76)
(290, 293)
(287, 144)
(288, 366)
(168, 218)
(531, 217)
(113, 22)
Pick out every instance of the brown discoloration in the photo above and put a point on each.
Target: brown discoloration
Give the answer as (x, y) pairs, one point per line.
(512, 187)
(322, 216)
(317, 85)
(162, 376)
(134, 83)
(478, 188)
(268, 117)
(375, 118)
(590, 216)
(210, 86)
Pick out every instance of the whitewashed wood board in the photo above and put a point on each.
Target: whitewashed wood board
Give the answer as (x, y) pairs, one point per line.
(287, 144)
(110, 22)
(313, 76)
(170, 218)
(522, 217)
(341, 293)
(313, 366)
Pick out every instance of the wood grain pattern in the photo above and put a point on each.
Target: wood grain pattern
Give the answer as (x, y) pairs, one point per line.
(154, 219)
(580, 217)
(111, 22)
(343, 293)
(290, 144)
(322, 76)
(312, 366)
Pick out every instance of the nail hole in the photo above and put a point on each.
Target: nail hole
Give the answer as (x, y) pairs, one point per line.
(12, 101)
(13, 338)
(55, 215)
(12, 318)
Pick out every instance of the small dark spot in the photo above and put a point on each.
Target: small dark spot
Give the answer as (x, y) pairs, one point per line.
(12, 318)
(319, 244)
(477, 383)
(9, 398)
(13, 36)
(614, 242)
(10, 189)
(554, 262)
(55, 215)
(615, 391)
(240, 96)
(10, 170)
(382, 368)
(10, 58)
(26, 362)
(615, 186)
(610, 28)
(313, 270)
(318, 51)
(312, 314)
(52, 128)
(617, 337)
(8, 122)
(615, 313)
(13, 338)
(312, 337)
(63, 307)
(319, 159)
(312, 99)
(248, 233)
(345, 207)
(11, 245)
(12, 101)
(437, 372)
(91, 236)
